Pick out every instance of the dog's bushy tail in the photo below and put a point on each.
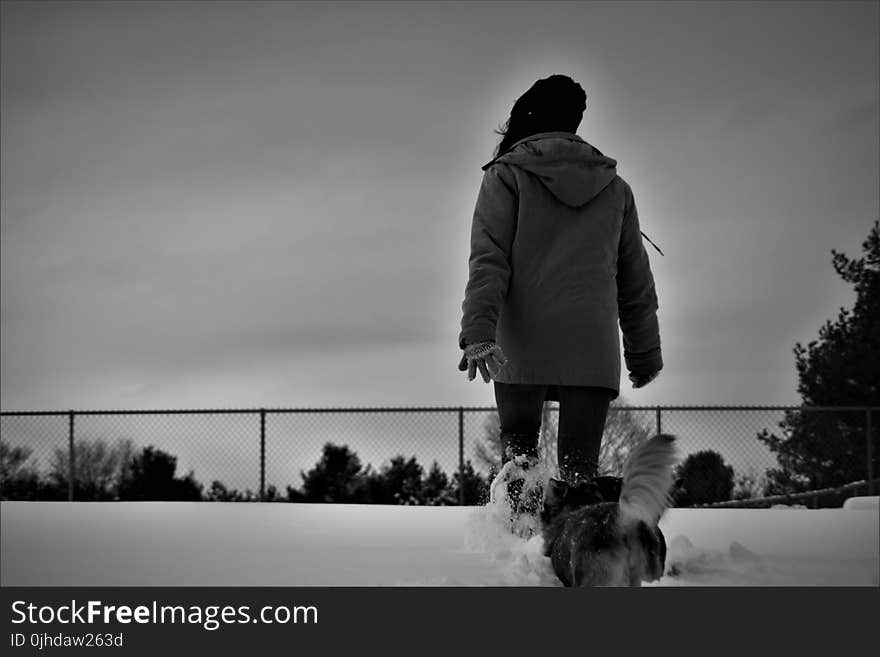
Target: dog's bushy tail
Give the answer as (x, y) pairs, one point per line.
(647, 480)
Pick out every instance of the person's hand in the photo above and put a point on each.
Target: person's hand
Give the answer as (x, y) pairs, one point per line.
(641, 380)
(484, 356)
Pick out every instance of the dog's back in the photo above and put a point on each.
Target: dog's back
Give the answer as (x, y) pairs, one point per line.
(594, 543)
(587, 549)
(590, 548)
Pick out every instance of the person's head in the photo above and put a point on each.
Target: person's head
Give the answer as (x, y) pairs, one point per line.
(552, 104)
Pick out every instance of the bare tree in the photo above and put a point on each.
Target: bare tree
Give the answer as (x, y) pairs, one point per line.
(487, 452)
(749, 484)
(623, 431)
(19, 478)
(99, 467)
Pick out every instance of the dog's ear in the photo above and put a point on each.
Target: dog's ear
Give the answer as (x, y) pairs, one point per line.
(584, 493)
(609, 487)
(554, 498)
(556, 492)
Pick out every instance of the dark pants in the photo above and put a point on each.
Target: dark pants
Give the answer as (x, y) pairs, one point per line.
(582, 413)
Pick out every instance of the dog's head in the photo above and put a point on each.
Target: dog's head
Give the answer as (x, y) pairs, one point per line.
(560, 496)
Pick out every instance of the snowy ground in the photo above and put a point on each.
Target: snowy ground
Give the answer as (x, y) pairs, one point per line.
(212, 544)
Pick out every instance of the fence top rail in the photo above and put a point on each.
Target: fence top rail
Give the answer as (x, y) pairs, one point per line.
(416, 409)
(785, 497)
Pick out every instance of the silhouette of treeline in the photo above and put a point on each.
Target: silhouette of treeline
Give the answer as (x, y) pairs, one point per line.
(118, 471)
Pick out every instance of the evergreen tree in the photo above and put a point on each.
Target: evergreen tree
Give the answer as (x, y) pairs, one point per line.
(703, 478)
(218, 492)
(295, 495)
(371, 488)
(436, 487)
(840, 368)
(337, 477)
(151, 476)
(474, 485)
(403, 481)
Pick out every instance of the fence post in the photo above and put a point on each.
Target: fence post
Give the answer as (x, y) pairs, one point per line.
(870, 450)
(262, 454)
(460, 456)
(71, 464)
(659, 426)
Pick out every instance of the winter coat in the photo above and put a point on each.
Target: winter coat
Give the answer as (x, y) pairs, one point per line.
(556, 259)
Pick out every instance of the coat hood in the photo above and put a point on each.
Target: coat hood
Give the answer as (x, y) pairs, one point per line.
(573, 170)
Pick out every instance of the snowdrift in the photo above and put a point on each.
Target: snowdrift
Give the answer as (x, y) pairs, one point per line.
(252, 544)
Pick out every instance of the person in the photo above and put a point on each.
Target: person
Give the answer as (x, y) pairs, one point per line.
(556, 260)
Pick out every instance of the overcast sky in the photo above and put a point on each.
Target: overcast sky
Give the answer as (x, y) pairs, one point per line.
(227, 205)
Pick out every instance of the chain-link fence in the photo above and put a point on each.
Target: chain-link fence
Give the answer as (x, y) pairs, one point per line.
(728, 453)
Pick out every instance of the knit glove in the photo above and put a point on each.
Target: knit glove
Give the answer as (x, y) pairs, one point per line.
(641, 380)
(485, 356)
(643, 367)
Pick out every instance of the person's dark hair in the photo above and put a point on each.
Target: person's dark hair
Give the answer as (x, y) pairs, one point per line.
(552, 104)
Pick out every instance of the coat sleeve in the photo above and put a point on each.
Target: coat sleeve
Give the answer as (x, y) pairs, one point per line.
(636, 297)
(492, 232)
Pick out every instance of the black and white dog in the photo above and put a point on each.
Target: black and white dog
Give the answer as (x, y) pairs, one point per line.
(593, 542)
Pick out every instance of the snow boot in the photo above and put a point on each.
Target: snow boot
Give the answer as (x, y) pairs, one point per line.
(522, 484)
(609, 487)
